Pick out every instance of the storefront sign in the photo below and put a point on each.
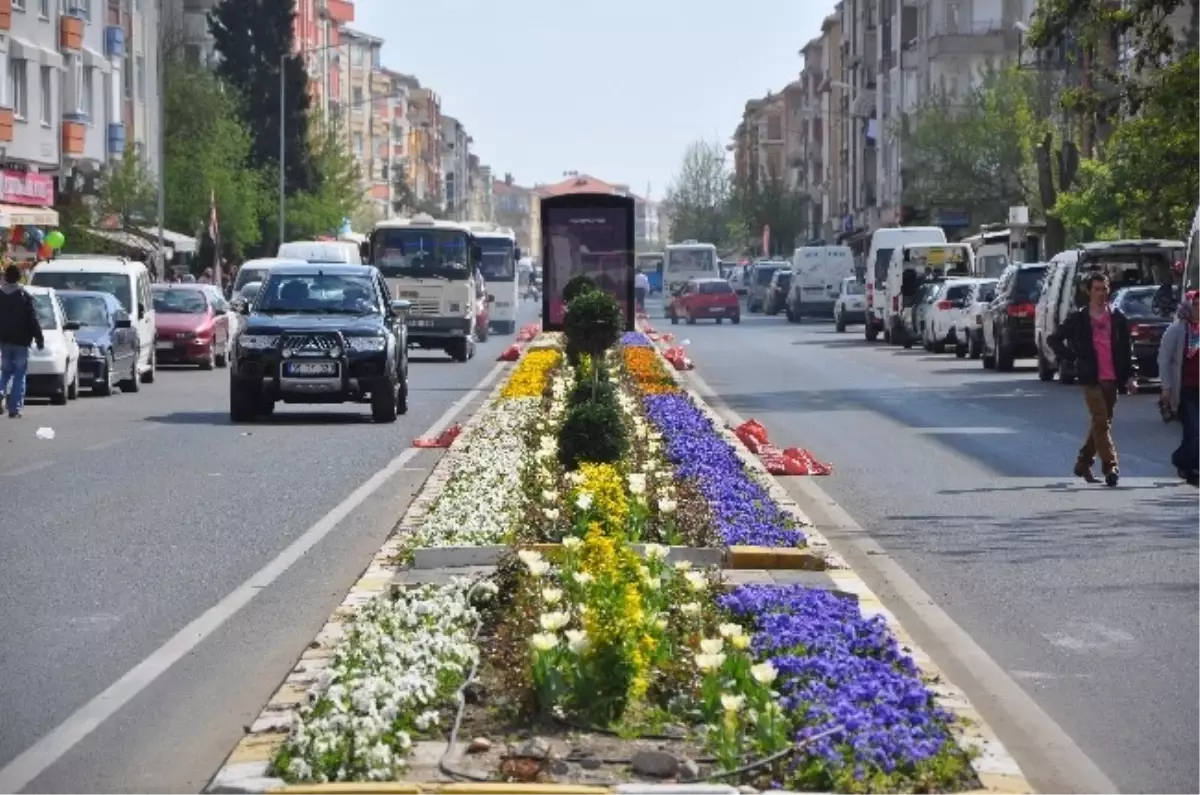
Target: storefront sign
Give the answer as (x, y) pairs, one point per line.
(28, 189)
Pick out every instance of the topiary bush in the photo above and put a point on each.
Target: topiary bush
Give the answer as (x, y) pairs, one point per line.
(577, 286)
(592, 326)
(592, 431)
(605, 392)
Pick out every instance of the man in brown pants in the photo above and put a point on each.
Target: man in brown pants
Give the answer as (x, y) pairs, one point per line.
(1095, 338)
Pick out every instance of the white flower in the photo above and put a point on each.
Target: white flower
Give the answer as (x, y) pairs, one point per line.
(729, 630)
(711, 645)
(549, 495)
(667, 506)
(660, 624)
(690, 608)
(683, 565)
(582, 577)
(709, 662)
(553, 622)
(551, 514)
(572, 542)
(732, 703)
(696, 581)
(534, 562)
(543, 641)
(584, 500)
(577, 640)
(637, 483)
(764, 673)
(656, 552)
(551, 596)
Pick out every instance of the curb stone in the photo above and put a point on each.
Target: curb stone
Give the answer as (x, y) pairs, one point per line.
(997, 770)
(245, 769)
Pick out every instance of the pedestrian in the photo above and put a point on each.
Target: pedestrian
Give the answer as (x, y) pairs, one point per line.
(1095, 338)
(19, 328)
(641, 288)
(1179, 370)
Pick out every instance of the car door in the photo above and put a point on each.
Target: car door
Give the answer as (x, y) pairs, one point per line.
(395, 324)
(998, 304)
(125, 340)
(60, 314)
(143, 320)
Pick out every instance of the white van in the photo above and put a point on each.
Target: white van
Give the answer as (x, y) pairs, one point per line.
(912, 266)
(818, 281)
(324, 251)
(883, 243)
(126, 280)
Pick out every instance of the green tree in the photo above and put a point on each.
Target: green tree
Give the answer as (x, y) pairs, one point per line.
(128, 195)
(253, 39)
(698, 198)
(337, 188)
(404, 199)
(768, 202)
(208, 153)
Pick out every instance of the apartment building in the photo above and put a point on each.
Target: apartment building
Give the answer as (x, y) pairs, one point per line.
(481, 206)
(806, 115)
(513, 206)
(456, 146)
(425, 175)
(832, 189)
(360, 55)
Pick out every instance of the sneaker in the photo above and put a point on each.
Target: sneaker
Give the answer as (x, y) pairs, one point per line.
(13, 415)
(1111, 477)
(1086, 473)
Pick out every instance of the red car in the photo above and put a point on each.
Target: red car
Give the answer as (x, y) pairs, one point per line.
(483, 315)
(705, 298)
(190, 327)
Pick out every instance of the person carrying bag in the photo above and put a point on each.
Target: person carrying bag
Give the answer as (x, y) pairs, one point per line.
(1179, 370)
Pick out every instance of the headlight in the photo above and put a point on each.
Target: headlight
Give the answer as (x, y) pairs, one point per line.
(366, 344)
(258, 342)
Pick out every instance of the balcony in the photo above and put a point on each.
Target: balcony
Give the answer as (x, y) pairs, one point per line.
(70, 32)
(970, 39)
(6, 16)
(74, 133)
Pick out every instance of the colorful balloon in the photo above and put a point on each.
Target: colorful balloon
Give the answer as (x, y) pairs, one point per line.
(44, 252)
(17, 234)
(56, 240)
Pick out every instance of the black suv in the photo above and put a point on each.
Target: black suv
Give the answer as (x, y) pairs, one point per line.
(320, 333)
(1008, 321)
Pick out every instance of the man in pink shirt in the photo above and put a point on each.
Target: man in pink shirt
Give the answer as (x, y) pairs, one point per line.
(1096, 338)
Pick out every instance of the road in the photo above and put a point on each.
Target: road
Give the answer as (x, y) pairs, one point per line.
(145, 511)
(1085, 596)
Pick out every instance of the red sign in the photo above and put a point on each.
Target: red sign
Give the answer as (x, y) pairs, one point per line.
(31, 189)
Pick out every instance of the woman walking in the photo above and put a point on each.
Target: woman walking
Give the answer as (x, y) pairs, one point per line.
(1179, 369)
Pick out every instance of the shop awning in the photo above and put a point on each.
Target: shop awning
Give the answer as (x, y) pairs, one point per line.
(126, 239)
(181, 243)
(17, 215)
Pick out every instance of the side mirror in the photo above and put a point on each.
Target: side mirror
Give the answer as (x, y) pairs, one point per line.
(399, 307)
(123, 322)
(218, 312)
(142, 311)
(364, 251)
(70, 325)
(491, 298)
(517, 253)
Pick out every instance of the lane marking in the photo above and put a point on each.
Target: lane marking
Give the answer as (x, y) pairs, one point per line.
(36, 759)
(103, 445)
(28, 468)
(1060, 764)
(965, 430)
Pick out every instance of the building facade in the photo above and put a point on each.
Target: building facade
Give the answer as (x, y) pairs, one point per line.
(456, 153)
(425, 175)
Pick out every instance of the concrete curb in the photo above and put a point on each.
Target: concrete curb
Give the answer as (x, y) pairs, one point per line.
(996, 768)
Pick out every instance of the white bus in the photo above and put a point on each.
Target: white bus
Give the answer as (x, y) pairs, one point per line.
(685, 261)
(498, 245)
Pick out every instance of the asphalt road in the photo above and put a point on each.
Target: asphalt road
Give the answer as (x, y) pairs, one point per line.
(145, 511)
(1086, 596)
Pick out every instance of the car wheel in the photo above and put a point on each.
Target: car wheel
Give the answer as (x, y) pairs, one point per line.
(870, 333)
(223, 357)
(1004, 358)
(103, 385)
(737, 319)
(402, 395)
(459, 350)
(1044, 370)
(960, 351)
(938, 347)
(691, 319)
(210, 359)
(244, 401)
(791, 316)
(674, 319)
(973, 345)
(132, 383)
(73, 387)
(59, 398)
(266, 406)
(719, 320)
(384, 401)
(148, 376)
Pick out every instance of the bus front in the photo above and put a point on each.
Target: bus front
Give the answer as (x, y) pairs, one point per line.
(686, 261)
(498, 262)
(431, 264)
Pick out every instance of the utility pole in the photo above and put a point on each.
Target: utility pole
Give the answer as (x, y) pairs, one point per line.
(161, 144)
(282, 142)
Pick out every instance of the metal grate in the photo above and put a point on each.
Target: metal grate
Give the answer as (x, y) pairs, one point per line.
(310, 342)
(424, 306)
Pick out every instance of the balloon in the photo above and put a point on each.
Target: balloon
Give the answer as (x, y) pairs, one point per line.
(44, 252)
(30, 241)
(56, 240)
(17, 234)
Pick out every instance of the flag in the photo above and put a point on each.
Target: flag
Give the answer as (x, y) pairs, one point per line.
(214, 233)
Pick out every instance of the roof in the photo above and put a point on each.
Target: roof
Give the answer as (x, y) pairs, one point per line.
(107, 297)
(97, 264)
(268, 262)
(583, 183)
(323, 268)
(1129, 244)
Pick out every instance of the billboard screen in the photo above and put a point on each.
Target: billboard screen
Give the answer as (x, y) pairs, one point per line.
(588, 234)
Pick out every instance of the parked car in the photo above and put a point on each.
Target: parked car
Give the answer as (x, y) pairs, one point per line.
(948, 307)
(1148, 319)
(244, 297)
(969, 331)
(1008, 321)
(54, 370)
(851, 303)
(915, 316)
(705, 298)
(192, 329)
(777, 292)
(483, 315)
(108, 343)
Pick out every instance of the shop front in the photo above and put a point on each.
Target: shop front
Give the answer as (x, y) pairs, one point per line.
(28, 220)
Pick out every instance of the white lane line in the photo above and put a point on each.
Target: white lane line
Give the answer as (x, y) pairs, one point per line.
(27, 469)
(965, 430)
(104, 445)
(32, 762)
(1047, 751)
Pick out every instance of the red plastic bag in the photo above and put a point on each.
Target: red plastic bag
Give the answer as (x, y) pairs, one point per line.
(752, 429)
(805, 461)
(443, 439)
(778, 464)
(510, 354)
(678, 358)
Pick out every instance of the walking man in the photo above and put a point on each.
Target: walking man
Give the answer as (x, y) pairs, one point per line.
(1095, 338)
(641, 287)
(19, 328)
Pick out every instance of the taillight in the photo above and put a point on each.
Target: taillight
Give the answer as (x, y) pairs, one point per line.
(1139, 331)
(1021, 310)
(871, 295)
(944, 305)
(1136, 331)
(895, 303)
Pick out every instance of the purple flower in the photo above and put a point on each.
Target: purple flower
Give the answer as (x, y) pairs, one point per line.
(636, 339)
(838, 668)
(743, 511)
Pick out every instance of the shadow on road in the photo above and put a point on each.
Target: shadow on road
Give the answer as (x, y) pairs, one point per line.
(281, 418)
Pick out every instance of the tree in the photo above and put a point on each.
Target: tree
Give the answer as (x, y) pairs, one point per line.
(252, 38)
(767, 202)
(404, 199)
(128, 197)
(698, 198)
(336, 194)
(977, 153)
(208, 153)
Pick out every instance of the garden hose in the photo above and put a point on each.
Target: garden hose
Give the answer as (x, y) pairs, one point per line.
(443, 765)
(775, 757)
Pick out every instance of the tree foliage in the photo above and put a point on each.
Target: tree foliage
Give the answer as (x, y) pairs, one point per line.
(769, 203)
(404, 199)
(337, 192)
(129, 194)
(698, 198)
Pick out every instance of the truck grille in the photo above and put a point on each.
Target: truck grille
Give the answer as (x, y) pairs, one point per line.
(311, 342)
(424, 306)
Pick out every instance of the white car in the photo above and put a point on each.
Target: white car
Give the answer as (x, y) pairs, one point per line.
(968, 332)
(950, 304)
(851, 303)
(54, 370)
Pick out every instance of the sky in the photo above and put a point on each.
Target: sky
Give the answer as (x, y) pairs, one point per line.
(612, 88)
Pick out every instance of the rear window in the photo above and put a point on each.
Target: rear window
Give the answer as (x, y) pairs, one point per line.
(115, 284)
(784, 279)
(247, 275)
(958, 292)
(763, 275)
(882, 257)
(986, 292)
(45, 312)
(1140, 303)
(1028, 285)
(854, 288)
(715, 288)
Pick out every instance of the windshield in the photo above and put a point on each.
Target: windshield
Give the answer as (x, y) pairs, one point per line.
(498, 264)
(986, 292)
(86, 310)
(854, 288)
(115, 284)
(649, 265)
(1141, 303)
(957, 292)
(992, 265)
(715, 288)
(1028, 286)
(423, 253)
(763, 275)
(313, 294)
(882, 257)
(180, 302)
(45, 311)
(315, 252)
(688, 260)
(247, 275)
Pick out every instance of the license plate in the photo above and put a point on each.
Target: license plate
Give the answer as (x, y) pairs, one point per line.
(716, 310)
(311, 368)
(421, 323)
(164, 345)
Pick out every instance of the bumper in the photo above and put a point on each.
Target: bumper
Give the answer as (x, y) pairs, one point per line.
(45, 366)
(1145, 362)
(437, 331)
(43, 384)
(191, 351)
(702, 312)
(91, 370)
(820, 307)
(1021, 341)
(350, 377)
(874, 317)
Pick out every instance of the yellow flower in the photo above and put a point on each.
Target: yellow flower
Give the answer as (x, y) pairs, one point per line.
(532, 373)
(606, 488)
(740, 642)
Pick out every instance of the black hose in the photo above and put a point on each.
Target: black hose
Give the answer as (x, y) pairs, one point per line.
(775, 757)
(443, 765)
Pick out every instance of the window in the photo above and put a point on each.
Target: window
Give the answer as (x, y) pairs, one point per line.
(18, 89)
(18, 5)
(47, 97)
(88, 104)
(44, 8)
(356, 55)
(358, 145)
(141, 79)
(358, 96)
